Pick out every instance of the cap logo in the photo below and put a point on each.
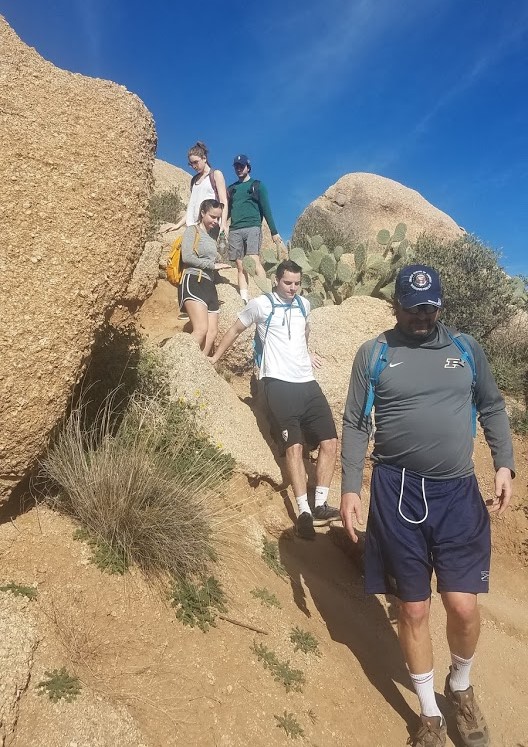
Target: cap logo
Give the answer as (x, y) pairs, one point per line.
(420, 280)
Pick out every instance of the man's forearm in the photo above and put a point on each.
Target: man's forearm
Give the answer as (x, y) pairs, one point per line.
(227, 340)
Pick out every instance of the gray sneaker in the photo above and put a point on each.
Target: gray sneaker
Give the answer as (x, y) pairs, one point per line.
(325, 514)
(432, 733)
(305, 526)
(471, 724)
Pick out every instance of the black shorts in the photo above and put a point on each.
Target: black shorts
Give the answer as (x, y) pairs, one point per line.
(300, 412)
(198, 288)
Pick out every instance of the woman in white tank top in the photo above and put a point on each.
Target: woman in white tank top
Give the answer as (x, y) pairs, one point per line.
(207, 184)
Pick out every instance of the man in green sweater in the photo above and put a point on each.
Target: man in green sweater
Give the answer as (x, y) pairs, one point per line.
(248, 205)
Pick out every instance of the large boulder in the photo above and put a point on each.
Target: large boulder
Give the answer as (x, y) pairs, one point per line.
(336, 333)
(76, 170)
(168, 178)
(361, 204)
(226, 420)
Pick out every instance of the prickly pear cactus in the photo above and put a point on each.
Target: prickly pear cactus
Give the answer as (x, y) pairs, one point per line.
(327, 268)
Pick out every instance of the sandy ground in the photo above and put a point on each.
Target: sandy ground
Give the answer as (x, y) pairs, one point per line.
(186, 687)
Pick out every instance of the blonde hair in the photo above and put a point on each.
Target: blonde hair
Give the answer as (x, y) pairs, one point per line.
(198, 149)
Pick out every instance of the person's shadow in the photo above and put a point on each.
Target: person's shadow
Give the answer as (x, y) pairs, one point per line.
(331, 569)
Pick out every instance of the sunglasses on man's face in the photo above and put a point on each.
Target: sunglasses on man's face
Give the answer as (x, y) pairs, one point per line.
(423, 308)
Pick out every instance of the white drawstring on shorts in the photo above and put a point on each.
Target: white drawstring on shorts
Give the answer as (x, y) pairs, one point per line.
(412, 521)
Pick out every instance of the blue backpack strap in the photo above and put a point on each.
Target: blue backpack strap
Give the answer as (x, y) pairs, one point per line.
(300, 304)
(373, 372)
(467, 356)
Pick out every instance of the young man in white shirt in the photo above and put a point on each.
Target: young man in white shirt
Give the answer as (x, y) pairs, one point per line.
(297, 406)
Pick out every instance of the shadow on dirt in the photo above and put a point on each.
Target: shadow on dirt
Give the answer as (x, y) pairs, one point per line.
(330, 569)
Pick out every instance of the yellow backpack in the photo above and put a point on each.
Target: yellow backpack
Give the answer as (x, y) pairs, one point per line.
(175, 266)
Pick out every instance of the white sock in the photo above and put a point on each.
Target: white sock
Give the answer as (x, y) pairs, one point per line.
(302, 503)
(321, 495)
(424, 686)
(459, 679)
(244, 295)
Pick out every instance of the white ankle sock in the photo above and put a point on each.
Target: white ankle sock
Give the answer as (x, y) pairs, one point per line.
(302, 503)
(244, 295)
(459, 679)
(424, 686)
(321, 495)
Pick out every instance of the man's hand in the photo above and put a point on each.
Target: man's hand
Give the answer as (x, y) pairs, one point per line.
(316, 359)
(350, 509)
(277, 238)
(503, 491)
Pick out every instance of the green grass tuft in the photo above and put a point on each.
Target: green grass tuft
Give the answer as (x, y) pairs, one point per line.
(60, 685)
(266, 597)
(19, 590)
(304, 641)
(270, 555)
(292, 679)
(291, 726)
(107, 558)
(198, 605)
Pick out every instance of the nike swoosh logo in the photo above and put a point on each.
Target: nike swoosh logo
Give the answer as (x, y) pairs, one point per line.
(392, 365)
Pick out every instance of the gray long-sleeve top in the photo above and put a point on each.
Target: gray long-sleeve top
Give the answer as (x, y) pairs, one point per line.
(423, 406)
(198, 254)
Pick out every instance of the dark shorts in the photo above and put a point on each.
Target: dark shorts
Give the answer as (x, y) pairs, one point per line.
(244, 241)
(203, 290)
(453, 539)
(299, 412)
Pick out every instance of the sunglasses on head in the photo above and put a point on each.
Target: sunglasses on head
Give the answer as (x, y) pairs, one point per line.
(424, 308)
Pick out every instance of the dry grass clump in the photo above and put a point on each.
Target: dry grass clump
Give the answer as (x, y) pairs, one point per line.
(147, 488)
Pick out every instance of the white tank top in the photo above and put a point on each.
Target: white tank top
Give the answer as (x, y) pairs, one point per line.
(199, 193)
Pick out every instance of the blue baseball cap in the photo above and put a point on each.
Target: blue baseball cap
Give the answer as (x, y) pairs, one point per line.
(418, 284)
(241, 160)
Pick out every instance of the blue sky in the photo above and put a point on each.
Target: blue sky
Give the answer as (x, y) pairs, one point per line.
(432, 93)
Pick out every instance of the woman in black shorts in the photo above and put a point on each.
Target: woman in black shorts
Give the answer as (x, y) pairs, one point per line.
(197, 292)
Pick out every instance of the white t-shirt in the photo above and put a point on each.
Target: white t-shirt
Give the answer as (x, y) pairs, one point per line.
(285, 355)
(199, 193)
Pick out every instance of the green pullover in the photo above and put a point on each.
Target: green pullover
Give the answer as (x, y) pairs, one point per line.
(244, 209)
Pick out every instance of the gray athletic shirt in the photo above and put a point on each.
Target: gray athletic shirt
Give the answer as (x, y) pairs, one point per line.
(423, 410)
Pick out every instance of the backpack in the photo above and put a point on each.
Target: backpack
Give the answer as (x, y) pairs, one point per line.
(254, 191)
(258, 344)
(211, 179)
(375, 369)
(175, 266)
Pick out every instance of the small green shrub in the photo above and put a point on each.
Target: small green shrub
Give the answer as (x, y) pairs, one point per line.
(478, 295)
(60, 685)
(197, 605)
(292, 679)
(304, 641)
(164, 207)
(266, 597)
(107, 558)
(519, 421)
(141, 478)
(270, 555)
(291, 726)
(19, 590)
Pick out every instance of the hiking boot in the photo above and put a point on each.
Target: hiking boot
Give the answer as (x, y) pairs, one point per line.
(324, 514)
(469, 719)
(305, 526)
(432, 733)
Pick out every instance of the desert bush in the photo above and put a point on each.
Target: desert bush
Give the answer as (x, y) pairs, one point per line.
(141, 481)
(479, 296)
(164, 207)
(507, 351)
(314, 222)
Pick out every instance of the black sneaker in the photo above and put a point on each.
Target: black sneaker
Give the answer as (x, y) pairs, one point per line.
(305, 526)
(325, 514)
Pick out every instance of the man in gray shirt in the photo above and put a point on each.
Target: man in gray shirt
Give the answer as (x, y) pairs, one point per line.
(425, 383)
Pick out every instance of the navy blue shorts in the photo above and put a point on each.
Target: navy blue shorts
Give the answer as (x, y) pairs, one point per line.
(426, 525)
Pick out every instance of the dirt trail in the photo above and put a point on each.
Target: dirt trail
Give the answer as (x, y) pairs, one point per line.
(189, 688)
